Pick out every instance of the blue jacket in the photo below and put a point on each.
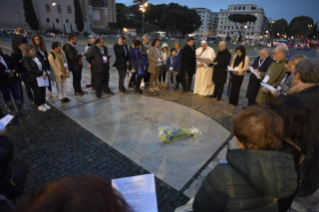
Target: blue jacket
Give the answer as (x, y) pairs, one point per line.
(175, 64)
(138, 60)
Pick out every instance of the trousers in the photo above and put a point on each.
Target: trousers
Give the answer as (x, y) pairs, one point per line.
(61, 85)
(7, 90)
(218, 92)
(154, 77)
(187, 81)
(162, 74)
(77, 77)
(235, 89)
(102, 81)
(122, 74)
(39, 93)
(169, 81)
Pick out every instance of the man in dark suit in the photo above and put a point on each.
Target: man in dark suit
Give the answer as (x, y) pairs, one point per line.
(74, 58)
(18, 37)
(261, 64)
(122, 61)
(220, 74)
(188, 64)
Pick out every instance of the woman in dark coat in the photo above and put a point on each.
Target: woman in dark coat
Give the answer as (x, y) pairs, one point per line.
(255, 176)
(39, 46)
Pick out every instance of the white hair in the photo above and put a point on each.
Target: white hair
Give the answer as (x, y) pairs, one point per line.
(223, 43)
(283, 49)
(146, 36)
(266, 50)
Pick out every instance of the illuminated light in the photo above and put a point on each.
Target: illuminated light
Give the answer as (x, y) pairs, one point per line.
(145, 4)
(53, 4)
(141, 9)
(141, 5)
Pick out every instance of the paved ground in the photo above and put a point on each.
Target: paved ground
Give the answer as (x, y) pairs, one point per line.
(53, 145)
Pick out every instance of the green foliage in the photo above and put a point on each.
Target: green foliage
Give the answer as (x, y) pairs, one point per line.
(78, 16)
(299, 26)
(315, 30)
(280, 26)
(241, 20)
(30, 15)
(97, 3)
(122, 11)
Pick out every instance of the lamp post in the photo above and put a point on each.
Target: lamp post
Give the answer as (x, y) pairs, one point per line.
(19, 14)
(55, 3)
(272, 31)
(143, 8)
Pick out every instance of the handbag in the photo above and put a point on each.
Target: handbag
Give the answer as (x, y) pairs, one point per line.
(140, 71)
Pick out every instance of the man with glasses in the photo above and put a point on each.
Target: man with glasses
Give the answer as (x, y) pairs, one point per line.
(274, 74)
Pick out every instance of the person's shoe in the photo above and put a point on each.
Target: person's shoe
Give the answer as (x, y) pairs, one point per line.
(109, 92)
(243, 108)
(66, 100)
(151, 90)
(218, 98)
(164, 85)
(14, 121)
(84, 92)
(51, 95)
(138, 91)
(156, 88)
(160, 85)
(42, 108)
(212, 96)
(78, 94)
(20, 108)
(47, 97)
(174, 89)
(47, 106)
(11, 108)
(122, 93)
(302, 193)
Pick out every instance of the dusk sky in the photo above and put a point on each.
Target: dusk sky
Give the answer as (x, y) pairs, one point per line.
(274, 9)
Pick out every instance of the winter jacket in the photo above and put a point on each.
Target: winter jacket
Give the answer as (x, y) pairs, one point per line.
(4, 76)
(73, 57)
(154, 54)
(31, 68)
(121, 58)
(175, 64)
(250, 181)
(138, 60)
(95, 57)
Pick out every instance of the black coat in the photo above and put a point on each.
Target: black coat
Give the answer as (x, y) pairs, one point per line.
(44, 58)
(254, 83)
(18, 37)
(188, 60)
(121, 59)
(73, 57)
(250, 181)
(31, 68)
(220, 73)
(95, 57)
(4, 76)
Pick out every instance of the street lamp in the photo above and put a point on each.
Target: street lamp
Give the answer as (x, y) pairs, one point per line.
(271, 29)
(143, 8)
(19, 14)
(309, 25)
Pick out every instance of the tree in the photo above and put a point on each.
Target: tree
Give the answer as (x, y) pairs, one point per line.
(71, 28)
(78, 16)
(64, 29)
(315, 30)
(122, 11)
(97, 3)
(280, 26)
(241, 20)
(30, 15)
(299, 26)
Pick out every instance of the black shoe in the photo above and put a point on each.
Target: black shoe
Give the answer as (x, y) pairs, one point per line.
(109, 92)
(138, 91)
(212, 96)
(243, 108)
(66, 100)
(218, 98)
(302, 193)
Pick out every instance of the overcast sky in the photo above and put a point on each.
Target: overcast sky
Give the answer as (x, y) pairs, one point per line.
(274, 9)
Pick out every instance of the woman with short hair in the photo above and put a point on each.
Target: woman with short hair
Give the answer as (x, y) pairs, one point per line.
(255, 176)
(35, 67)
(59, 66)
(154, 60)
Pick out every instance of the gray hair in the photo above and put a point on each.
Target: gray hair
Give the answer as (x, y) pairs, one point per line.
(146, 36)
(223, 42)
(308, 71)
(177, 42)
(91, 39)
(283, 49)
(266, 50)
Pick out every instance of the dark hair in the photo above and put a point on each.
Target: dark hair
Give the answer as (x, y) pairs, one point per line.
(98, 40)
(41, 45)
(55, 45)
(173, 49)
(258, 128)
(137, 43)
(243, 51)
(77, 194)
(190, 39)
(308, 71)
(15, 47)
(26, 50)
(295, 114)
(154, 41)
(286, 62)
(123, 37)
(71, 36)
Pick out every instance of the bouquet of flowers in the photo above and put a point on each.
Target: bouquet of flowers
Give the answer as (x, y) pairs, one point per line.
(169, 133)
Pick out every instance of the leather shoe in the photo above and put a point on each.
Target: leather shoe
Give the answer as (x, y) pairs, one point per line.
(218, 98)
(78, 94)
(212, 96)
(84, 92)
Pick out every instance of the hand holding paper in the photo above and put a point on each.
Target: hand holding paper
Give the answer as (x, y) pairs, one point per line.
(232, 69)
(251, 69)
(268, 87)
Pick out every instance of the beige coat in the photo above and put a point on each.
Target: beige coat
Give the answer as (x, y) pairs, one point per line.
(55, 66)
(153, 59)
(241, 69)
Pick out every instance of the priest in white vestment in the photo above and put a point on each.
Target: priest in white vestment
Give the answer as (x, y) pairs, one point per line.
(204, 74)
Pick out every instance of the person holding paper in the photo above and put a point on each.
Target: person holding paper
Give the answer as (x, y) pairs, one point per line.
(188, 64)
(154, 61)
(261, 65)
(74, 58)
(35, 68)
(251, 180)
(60, 70)
(100, 65)
(204, 74)
(240, 61)
(220, 74)
(9, 84)
(274, 74)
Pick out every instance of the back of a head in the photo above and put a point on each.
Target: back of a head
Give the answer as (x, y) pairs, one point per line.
(137, 43)
(308, 70)
(20, 30)
(295, 59)
(71, 36)
(190, 39)
(98, 40)
(258, 128)
(283, 49)
(78, 194)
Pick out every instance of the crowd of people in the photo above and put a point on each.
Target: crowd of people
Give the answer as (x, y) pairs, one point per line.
(277, 134)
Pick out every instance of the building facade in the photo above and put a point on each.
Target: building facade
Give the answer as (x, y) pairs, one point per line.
(254, 31)
(209, 23)
(57, 14)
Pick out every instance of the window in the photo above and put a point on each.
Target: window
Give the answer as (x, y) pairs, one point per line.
(248, 27)
(252, 33)
(221, 27)
(221, 22)
(239, 8)
(253, 28)
(48, 20)
(244, 8)
(232, 27)
(47, 6)
(224, 33)
(59, 8)
(67, 20)
(228, 27)
(69, 9)
(57, 20)
(222, 18)
(231, 33)
(235, 8)
(231, 8)
(224, 27)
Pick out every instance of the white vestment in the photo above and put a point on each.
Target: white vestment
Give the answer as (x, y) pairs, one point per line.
(204, 75)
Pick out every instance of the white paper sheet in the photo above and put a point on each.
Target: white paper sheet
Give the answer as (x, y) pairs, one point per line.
(268, 87)
(252, 70)
(5, 121)
(138, 191)
(42, 82)
(232, 69)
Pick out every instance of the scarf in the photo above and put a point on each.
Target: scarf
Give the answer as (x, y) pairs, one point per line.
(61, 60)
(300, 87)
(238, 60)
